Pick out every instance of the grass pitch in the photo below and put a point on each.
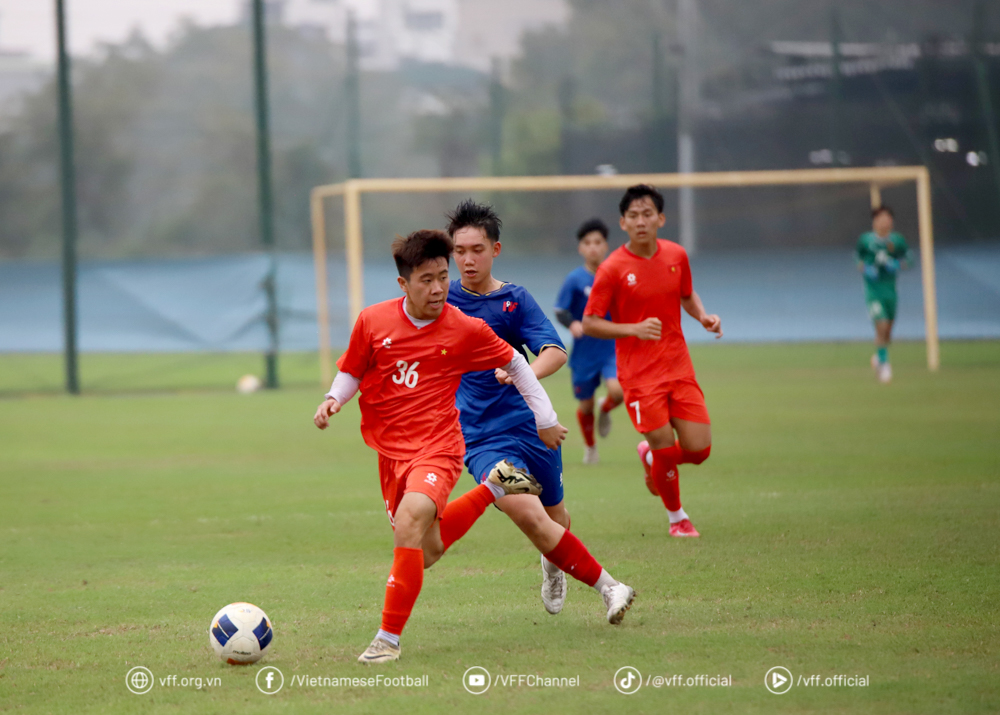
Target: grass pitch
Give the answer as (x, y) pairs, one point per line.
(849, 528)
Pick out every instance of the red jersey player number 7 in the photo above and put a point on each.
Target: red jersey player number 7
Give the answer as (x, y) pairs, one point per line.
(644, 285)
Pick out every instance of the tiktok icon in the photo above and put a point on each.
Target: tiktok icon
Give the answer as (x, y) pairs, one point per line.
(628, 680)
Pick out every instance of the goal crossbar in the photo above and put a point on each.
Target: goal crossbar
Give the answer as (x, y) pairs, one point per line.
(352, 190)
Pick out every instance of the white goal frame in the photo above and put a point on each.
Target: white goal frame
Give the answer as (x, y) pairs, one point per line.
(354, 189)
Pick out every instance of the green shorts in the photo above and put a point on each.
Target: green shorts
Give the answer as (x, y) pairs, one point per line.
(881, 307)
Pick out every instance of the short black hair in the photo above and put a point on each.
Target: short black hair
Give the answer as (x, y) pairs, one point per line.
(591, 225)
(469, 213)
(638, 191)
(882, 208)
(418, 248)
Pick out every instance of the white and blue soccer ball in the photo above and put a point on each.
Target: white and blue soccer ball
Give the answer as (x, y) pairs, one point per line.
(240, 633)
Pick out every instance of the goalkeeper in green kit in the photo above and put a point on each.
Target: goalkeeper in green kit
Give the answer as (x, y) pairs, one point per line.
(881, 253)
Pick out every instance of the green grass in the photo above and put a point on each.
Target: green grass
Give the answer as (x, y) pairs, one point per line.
(848, 528)
(28, 374)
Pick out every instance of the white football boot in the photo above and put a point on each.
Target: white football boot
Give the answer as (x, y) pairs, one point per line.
(590, 455)
(618, 599)
(380, 651)
(885, 373)
(553, 590)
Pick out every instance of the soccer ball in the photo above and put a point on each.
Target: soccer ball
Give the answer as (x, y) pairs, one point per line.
(248, 384)
(240, 633)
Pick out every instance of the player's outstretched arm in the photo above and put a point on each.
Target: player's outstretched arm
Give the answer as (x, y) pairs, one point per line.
(902, 254)
(597, 327)
(547, 362)
(546, 421)
(344, 387)
(566, 318)
(327, 409)
(693, 306)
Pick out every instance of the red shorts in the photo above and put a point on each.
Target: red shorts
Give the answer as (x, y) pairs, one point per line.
(652, 407)
(432, 474)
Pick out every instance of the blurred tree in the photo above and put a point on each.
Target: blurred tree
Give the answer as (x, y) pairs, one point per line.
(165, 146)
(165, 152)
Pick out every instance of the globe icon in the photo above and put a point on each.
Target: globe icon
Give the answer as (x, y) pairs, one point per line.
(139, 680)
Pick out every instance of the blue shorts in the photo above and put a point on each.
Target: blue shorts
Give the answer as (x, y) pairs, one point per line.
(522, 447)
(586, 381)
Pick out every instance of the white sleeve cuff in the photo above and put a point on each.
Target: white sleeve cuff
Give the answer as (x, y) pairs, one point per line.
(532, 391)
(344, 387)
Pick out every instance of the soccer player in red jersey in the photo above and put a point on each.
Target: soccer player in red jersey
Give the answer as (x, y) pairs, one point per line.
(407, 356)
(644, 284)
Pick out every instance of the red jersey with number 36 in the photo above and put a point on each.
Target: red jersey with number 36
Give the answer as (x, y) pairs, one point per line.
(632, 289)
(409, 376)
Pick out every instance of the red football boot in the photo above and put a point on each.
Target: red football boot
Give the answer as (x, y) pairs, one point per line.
(643, 450)
(684, 527)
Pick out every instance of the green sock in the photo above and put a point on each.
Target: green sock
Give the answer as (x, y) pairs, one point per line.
(883, 356)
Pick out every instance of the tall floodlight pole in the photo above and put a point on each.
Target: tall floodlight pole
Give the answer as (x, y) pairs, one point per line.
(352, 90)
(660, 91)
(689, 96)
(836, 89)
(68, 181)
(265, 193)
(497, 105)
(567, 122)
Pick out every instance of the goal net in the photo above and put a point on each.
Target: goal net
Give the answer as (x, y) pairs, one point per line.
(744, 213)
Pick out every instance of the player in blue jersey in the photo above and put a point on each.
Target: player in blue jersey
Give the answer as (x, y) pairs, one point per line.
(592, 359)
(495, 422)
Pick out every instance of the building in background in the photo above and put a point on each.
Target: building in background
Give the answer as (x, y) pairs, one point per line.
(20, 74)
(461, 33)
(488, 29)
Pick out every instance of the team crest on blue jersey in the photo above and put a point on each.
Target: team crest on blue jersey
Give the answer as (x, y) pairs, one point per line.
(509, 306)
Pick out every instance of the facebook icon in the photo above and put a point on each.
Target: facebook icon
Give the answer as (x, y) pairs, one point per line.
(269, 680)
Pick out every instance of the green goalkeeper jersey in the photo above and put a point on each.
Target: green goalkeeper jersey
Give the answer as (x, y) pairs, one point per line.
(881, 259)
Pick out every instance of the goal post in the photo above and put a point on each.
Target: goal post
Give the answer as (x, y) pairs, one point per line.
(352, 191)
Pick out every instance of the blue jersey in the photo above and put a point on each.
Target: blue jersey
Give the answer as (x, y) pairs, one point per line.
(487, 408)
(589, 354)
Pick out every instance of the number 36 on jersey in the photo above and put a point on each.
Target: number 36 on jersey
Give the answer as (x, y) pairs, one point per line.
(406, 374)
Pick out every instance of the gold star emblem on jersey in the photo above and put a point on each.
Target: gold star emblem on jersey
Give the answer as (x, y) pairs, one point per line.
(673, 269)
(443, 351)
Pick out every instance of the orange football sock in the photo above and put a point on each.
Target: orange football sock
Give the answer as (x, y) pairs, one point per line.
(664, 473)
(461, 513)
(572, 556)
(586, 426)
(402, 588)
